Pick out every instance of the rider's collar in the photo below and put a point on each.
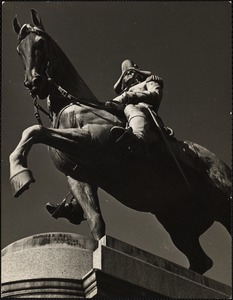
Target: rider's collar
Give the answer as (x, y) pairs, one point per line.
(130, 85)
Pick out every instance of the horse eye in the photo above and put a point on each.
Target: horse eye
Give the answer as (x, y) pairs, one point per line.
(40, 43)
(18, 51)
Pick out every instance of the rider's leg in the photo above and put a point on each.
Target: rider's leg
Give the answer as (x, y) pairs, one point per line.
(71, 210)
(138, 120)
(137, 136)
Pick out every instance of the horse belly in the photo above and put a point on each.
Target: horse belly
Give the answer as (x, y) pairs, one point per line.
(145, 187)
(67, 165)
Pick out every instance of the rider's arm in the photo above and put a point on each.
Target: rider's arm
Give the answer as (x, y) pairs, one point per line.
(152, 95)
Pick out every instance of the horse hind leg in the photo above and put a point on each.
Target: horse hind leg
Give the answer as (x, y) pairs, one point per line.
(218, 204)
(223, 214)
(199, 261)
(185, 225)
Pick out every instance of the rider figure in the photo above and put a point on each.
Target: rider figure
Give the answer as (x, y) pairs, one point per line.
(136, 90)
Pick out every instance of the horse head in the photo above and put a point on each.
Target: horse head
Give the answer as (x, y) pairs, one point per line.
(33, 48)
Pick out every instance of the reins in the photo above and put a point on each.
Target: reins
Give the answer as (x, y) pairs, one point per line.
(67, 95)
(77, 100)
(37, 107)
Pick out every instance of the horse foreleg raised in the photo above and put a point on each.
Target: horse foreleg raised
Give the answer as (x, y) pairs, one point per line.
(20, 176)
(86, 196)
(67, 140)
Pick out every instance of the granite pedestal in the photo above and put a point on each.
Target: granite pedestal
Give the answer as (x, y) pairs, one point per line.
(67, 265)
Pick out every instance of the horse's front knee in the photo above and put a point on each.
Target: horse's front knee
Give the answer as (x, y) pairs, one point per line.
(32, 132)
(13, 157)
(18, 158)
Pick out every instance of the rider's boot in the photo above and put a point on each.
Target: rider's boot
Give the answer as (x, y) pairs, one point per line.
(66, 210)
(127, 138)
(136, 137)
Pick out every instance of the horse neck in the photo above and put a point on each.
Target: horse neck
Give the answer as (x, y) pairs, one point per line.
(64, 74)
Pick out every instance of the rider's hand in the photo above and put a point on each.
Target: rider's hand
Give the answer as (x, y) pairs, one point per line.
(115, 105)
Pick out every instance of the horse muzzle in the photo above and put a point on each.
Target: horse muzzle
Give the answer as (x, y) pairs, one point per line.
(38, 86)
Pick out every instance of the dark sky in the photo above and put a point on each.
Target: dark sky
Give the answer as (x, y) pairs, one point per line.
(186, 43)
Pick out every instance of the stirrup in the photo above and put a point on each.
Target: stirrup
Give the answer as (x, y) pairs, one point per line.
(126, 137)
(120, 134)
(56, 210)
(67, 212)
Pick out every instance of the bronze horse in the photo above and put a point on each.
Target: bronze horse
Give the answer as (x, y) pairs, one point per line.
(81, 147)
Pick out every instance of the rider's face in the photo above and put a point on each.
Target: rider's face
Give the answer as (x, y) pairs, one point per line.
(130, 77)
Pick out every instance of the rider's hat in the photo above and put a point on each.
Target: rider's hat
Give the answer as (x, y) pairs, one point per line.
(125, 66)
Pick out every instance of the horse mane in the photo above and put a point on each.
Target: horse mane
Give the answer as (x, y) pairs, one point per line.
(63, 72)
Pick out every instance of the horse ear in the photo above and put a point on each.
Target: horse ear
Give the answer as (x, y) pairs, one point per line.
(16, 25)
(36, 19)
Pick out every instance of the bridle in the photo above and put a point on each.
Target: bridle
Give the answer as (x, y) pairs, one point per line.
(25, 30)
(52, 83)
(38, 108)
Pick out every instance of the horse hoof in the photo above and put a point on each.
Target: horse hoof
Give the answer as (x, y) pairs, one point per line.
(203, 267)
(21, 181)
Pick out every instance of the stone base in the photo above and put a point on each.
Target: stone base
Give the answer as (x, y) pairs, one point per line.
(64, 265)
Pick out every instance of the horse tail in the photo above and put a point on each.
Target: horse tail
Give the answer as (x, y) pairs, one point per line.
(205, 162)
(218, 171)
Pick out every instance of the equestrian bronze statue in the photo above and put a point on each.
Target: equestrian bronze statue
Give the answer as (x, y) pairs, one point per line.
(82, 147)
